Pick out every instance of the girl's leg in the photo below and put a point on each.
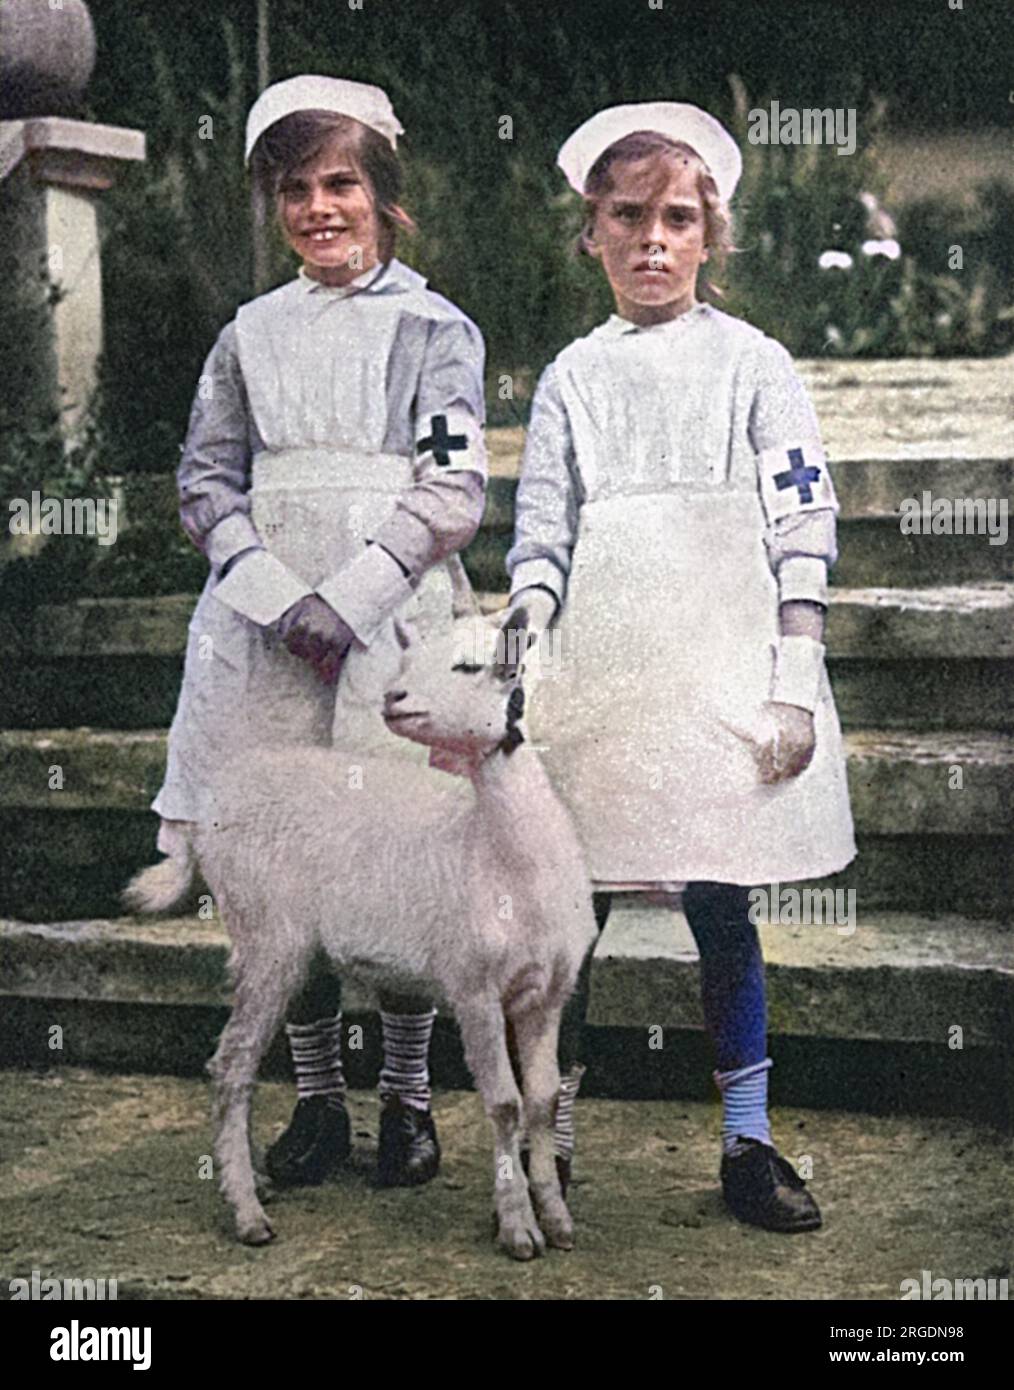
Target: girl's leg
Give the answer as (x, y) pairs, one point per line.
(318, 1137)
(759, 1185)
(409, 1152)
(735, 1009)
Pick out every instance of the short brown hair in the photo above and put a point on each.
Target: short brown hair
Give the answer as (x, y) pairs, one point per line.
(642, 144)
(300, 136)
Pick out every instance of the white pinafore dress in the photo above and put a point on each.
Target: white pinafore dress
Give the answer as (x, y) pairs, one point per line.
(652, 704)
(243, 689)
(314, 503)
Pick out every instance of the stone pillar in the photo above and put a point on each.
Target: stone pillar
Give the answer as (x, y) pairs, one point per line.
(53, 171)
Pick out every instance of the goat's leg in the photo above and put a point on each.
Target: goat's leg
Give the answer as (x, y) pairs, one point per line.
(262, 1182)
(262, 994)
(537, 1032)
(484, 1035)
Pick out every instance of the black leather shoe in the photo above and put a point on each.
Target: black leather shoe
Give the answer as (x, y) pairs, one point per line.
(317, 1140)
(763, 1189)
(562, 1170)
(408, 1152)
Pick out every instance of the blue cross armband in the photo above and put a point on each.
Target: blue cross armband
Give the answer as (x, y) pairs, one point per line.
(794, 478)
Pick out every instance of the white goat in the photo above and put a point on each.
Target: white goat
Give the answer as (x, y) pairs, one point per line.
(473, 888)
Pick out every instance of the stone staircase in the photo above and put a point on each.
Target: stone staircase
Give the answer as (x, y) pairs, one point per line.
(921, 656)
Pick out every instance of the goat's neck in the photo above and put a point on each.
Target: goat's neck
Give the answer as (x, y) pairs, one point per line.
(516, 806)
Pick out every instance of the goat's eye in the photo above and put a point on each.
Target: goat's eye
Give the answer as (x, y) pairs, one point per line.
(465, 666)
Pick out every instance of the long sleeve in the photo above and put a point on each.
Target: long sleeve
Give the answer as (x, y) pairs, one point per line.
(214, 486)
(440, 512)
(795, 485)
(548, 498)
(214, 472)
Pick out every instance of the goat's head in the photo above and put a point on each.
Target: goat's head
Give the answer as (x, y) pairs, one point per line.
(462, 691)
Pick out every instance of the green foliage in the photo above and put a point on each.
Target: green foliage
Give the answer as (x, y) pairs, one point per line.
(797, 202)
(496, 222)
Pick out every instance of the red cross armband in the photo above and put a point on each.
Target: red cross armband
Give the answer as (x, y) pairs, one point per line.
(794, 478)
(449, 442)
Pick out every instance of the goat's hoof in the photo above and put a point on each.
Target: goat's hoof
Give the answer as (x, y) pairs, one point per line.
(258, 1230)
(559, 1236)
(555, 1221)
(522, 1241)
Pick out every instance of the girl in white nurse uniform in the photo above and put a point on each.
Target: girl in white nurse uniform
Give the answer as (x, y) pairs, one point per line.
(675, 520)
(334, 460)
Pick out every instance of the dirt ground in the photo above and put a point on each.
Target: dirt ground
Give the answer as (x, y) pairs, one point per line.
(99, 1176)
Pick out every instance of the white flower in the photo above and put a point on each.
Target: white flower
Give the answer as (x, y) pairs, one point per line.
(888, 247)
(835, 260)
(879, 221)
(833, 335)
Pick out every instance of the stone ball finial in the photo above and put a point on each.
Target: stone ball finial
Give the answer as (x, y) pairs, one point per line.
(47, 53)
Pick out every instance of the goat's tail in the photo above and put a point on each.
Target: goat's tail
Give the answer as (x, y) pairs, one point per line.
(163, 885)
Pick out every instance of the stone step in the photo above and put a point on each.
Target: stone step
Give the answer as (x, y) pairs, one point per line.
(958, 621)
(891, 978)
(871, 491)
(950, 783)
(917, 658)
(933, 817)
(71, 864)
(872, 551)
(868, 484)
(887, 411)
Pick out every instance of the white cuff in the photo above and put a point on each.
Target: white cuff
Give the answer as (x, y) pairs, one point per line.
(802, 577)
(530, 573)
(541, 607)
(799, 669)
(234, 533)
(366, 590)
(260, 588)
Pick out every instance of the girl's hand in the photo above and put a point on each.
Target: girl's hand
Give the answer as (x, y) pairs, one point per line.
(791, 750)
(311, 629)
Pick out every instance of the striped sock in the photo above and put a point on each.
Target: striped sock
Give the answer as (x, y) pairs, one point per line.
(405, 1072)
(744, 1104)
(563, 1136)
(317, 1057)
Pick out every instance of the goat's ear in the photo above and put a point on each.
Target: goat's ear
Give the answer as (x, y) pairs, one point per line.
(513, 641)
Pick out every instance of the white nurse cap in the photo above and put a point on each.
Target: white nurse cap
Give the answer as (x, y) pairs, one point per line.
(675, 119)
(369, 105)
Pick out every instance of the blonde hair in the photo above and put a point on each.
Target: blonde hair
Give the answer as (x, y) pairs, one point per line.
(294, 139)
(645, 144)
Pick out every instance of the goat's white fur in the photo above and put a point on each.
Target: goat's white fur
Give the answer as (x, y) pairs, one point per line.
(474, 889)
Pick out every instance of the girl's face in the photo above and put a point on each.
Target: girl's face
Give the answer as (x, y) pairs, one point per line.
(649, 234)
(327, 213)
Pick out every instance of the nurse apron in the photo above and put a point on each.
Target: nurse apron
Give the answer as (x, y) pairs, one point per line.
(314, 509)
(652, 725)
(653, 703)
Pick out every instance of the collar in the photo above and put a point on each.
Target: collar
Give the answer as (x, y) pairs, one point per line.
(616, 327)
(394, 277)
